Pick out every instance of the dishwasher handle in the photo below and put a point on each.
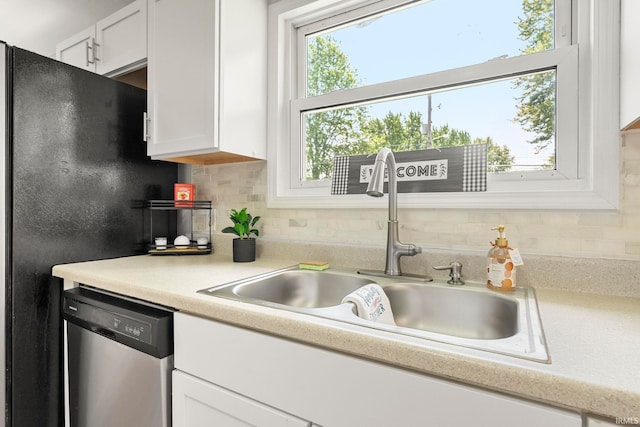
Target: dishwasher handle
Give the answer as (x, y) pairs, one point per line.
(104, 332)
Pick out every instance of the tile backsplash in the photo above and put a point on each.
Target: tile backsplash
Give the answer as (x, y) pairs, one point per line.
(583, 234)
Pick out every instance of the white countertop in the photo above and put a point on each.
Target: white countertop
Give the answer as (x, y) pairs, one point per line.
(594, 341)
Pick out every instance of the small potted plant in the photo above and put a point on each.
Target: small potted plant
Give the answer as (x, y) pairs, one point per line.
(244, 246)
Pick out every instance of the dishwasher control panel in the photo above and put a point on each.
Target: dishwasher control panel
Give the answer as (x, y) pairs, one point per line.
(142, 326)
(104, 320)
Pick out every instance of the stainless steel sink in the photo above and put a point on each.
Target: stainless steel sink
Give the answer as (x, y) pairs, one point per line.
(298, 288)
(458, 311)
(468, 316)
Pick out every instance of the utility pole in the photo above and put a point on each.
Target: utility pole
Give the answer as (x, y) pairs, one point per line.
(426, 127)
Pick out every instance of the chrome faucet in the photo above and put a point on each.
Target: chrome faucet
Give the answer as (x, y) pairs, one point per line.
(395, 249)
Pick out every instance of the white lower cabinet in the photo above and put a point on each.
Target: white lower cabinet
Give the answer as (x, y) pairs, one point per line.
(593, 422)
(329, 389)
(197, 403)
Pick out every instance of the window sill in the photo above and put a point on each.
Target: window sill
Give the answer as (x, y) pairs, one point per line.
(541, 200)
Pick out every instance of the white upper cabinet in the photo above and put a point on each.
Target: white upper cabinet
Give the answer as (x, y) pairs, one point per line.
(629, 65)
(115, 45)
(122, 39)
(207, 80)
(78, 49)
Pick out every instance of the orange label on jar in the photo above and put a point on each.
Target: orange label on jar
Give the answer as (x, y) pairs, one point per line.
(501, 273)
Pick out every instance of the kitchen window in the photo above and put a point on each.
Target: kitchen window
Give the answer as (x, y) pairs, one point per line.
(536, 80)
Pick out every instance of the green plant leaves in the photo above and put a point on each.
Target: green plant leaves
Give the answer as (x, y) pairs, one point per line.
(243, 224)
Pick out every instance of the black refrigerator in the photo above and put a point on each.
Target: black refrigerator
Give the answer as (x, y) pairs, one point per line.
(75, 171)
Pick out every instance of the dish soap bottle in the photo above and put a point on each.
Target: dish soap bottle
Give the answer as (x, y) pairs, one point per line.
(501, 267)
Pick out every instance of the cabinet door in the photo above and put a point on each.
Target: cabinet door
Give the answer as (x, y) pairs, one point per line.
(197, 403)
(182, 74)
(629, 65)
(122, 40)
(242, 124)
(333, 389)
(78, 50)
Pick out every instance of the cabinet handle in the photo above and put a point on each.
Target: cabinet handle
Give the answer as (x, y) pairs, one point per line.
(145, 127)
(87, 53)
(95, 51)
(92, 47)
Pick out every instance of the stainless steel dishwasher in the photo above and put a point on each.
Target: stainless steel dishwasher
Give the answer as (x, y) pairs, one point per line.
(120, 357)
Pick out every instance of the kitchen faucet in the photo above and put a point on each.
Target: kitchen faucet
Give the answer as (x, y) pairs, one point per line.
(395, 249)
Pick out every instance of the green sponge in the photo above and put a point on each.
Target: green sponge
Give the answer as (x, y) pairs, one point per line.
(313, 265)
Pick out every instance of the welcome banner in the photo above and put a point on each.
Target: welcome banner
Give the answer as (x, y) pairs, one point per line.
(450, 169)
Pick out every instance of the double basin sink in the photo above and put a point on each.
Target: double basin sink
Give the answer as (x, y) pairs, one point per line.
(469, 315)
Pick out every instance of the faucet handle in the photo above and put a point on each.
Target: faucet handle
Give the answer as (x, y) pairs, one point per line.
(455, 272)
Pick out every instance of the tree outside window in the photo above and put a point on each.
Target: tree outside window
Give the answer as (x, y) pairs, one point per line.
(355, 130)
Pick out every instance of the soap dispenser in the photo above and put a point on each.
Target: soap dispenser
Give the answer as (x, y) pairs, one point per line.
(501, 267)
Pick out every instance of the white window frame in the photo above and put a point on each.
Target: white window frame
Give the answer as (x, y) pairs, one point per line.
(587, 115)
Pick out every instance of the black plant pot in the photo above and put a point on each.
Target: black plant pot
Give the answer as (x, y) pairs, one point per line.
(244, 250)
